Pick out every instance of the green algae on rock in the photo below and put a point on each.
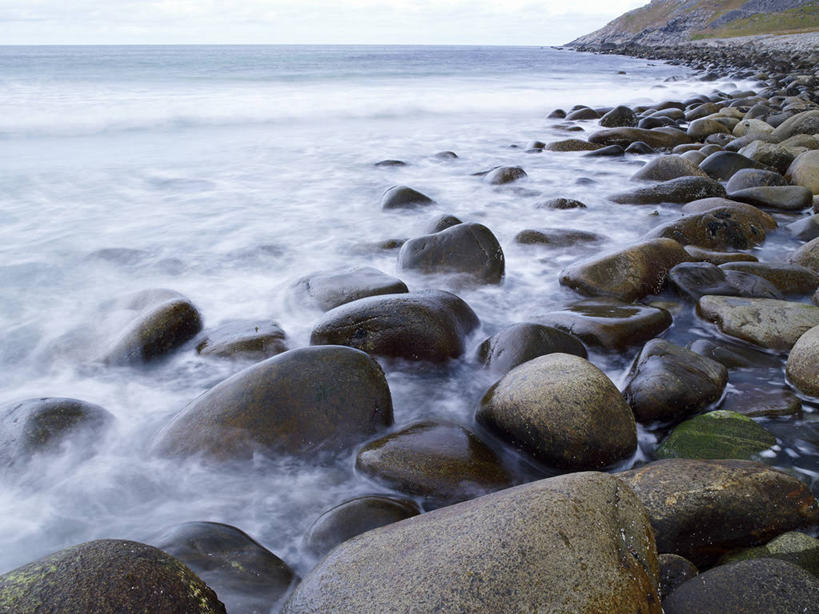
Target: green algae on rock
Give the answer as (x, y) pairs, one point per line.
(715, 435)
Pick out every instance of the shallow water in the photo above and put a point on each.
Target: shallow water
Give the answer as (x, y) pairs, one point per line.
(226, 173)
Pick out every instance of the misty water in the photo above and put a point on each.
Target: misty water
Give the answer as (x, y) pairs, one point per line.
(226, 173)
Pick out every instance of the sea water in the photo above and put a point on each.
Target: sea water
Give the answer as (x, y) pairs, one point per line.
(226, 173)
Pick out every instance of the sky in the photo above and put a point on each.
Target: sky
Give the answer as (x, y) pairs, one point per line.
(484, 22)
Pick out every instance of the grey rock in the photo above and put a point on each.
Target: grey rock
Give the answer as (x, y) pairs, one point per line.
(681, 190)
(328, 289)
(403, 197)
(696, 279)
(243, 339)
(522, 342)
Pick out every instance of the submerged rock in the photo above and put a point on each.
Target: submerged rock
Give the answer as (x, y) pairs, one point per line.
(716, 434)
(787, 278)
(696, 279)
(803, 363)
(762, 402)
(661, 138)
(243, 339)
(522, 342)
(720, 228)
(403, 197)
(560, 203)
(668, 167)
(557, 237)
(681, 190)
(328, 289)
(504, 174)
(442, 222)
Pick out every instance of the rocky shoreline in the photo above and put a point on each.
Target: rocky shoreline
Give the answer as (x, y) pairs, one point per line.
(704, 525)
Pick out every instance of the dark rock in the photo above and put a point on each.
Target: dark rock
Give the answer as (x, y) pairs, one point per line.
(770, 154)
(704, 255)
(719, 228)
(522, 342)
(674, 570)
(243, 339)
(442, 463)
(733, 355)
(618, 117)
(563, 411)
(504, 174)
(787, 278)
(803, 363)
(560, 203)
(753, 178)
(667, 167)
(610, 151)
(722, 165)
(786, 198)
(792, 547)
(806, 122)
(696, 279)
(469, 249)
(572, 145)
(299, 402)
(248, 578)
(668, 382)
(442, 223)
(557, 114)
(805, 229)
(390, 163)
(403, 197)
(717, 434)
(762, 402)
(556, 237)
(639, 147)
(659, 138)
(446, 155)
(430, 325)
(681, 190)
(106, 575)
(743, 210)
(807, 256)
(328, 289)
(583, 113)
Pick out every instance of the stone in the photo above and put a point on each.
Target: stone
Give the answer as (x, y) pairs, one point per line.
(714, 435)
(701, 509)
(757, 402)
(107, 575)
(572, 145)
(667, 167)
(761, 586)
(674, 570)
(752, 127)
(787, 278)
(804, 170)
(442, 222)
(733, 355)
(561, 410)
(468, 249)
(770, 154)
(445, 155)
(784, 198)
(404, 197)
(701, 128)
(719, 228)
(354, 517)
(626, 274)
(499, 550)
(695, 157)
(430, 325)
(743, 210)
(246, 576)
(522, 342)
(389, 163)
(560, 203)
(701, 110)
(583, 113)
(659, 138)
(682, 190)
(805, 229)
(770, 323)
(806, 122)
(696, 279)
(441, 463)
(619, 117)
(639, 148)
(556, 237)
(301, 402)
(722, 165)
(243, 339)
(668, 382)
(753, 178)
(504, 174)
(49, 425)
(807, 256)
(792, 547)
(699, 254)
(803, 363)
(610, 151)
(328, 289)
(609, 323)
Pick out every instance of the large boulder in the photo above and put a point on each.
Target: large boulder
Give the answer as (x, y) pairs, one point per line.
(668, 382)
(519, 343)
(701, 509)
(722, 165)
(627, 274)
(681, 190)
(743, 210)
(720, 228)
(468, 249)
(804, 170)
(431, 325)
(787, 278)
(299, 402)
(577, 543)
(328, 289)
(770, 323)
(248, 578)
(403, 197)
(803, 363)
(806, 122)
(441, 463)
(107, 576)
(769, 154)
(807, 256)
(563, 411)
(668, 167)
(716, 434)
(619, 117)
(660, 138)
(785, 198)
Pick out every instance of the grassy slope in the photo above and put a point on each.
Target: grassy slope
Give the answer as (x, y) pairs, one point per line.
(804, 19)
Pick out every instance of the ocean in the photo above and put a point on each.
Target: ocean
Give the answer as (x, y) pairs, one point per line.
(226, 173)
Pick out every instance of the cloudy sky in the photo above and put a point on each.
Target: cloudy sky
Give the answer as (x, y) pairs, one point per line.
(489, 22)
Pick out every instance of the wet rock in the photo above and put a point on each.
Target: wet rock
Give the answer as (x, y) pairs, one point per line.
(701, 128)
(754, 177)
(682, 190)
(556, 237)
(754, 127)
(430, 325)
(701, 110)
(695, 157)
(668, 382)
(300, 402)
(354, 517)
(563, 411)
(583, 113)
(792, 547)
(674, 570)
(469, 249)
(443, 463)
(722, 165)
(659, 138)
(701, 509)
(769, 323)
(806, 122)
(446, 155)
(619, 117)
(610, 151)
(626, 274)
(403, 197)
(504, 174)
(705, 255)
(328, 289)
(785, 198)
(719, 228)
(787, 278)
(762, 402)
(442, 223)
(639, 147)
(503, 546)
(243, 339)
(389, 163)
(47, 425)
(248, 578)
(557, 114)
(560, 203)
(107, 575)
(734, 355)
(744, 210)
(717, 434)
(803, 363)
(770, 154)
(805, 229)
(572, 145)
(763, 586)
(522, 342)
(667, 167)
(804, 170)
(807, 256)
(696, 279)
(609, 323)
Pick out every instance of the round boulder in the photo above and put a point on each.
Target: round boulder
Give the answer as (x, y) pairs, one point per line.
(804, 170)
(722, 165)
(803, 363)
(619, 117)
(695, 279)
(668, 167)
(720, 228)
(243, 339)
(787, 278)
(717, 434)
(403, 197)
(674, 570)
(753, 178)
(681, 190)
(807, 256)
(328, 289)
(806, 122)
(504, 174)
(523, 342)
(442, 222)
(784, 198)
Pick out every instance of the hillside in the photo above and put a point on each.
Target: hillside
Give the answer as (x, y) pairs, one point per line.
(670, 22)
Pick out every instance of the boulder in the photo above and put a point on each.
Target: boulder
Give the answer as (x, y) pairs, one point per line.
(609, 323)
(744, 210)
(805, 229)
(572, 145)
(722, 165)
(784, 198)
(804, 170)
(696, 279)
(583, 113)
(807, 256)
(107, 575)
(699, 254)
(300, 402)
(563, 411)
(556, 237)
(806, 122)
(787, 278)
(504, 174)
(792, 547)
(430, 325)
(716, 434)
(522, 342)
(719, 228)
(404, 197)
(754, 177)
(619, 117)
(770, 154)
(441, 463)
(243, 339)
(701, 110)
(667, 167)
(803, 363)
(754, 402)
(626, 274)
(701, 509)
(248, 578)
(499, 553)
(639, 148)
(682, 190)
(327, 289)
(770, 323)
(660, 138)
(442, 222)
(560, 203)
(674, 570)
(753, 127)
(668, 382)
(704, 127)
(734, 355)
(468, 249)
(354, 517)
(610, 151)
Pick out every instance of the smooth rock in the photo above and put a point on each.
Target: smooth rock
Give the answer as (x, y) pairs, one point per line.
(659, 138)
(504, 174)
(720, 228)
(556, 237)
(619, 117)
(770, 154)
(754, 177)
(743, 210)
(787, 278)
(762, 402)
(753, 127)
(806, 122)
(327, 289)
(603, 152)
(701, 128)
(403, 197)
(560, 203)
(722, 165)
(674, 570)
(696, 279)
(792, 547)
(805, 229)
(804, 170)
(733, 355)
(785, 198)
(714, 435)
(715, 257)
(807, 256)
(583, 113)
(522, 342)
(803, 363)
(639, 148)
(442, 222)
(243, 339)
(667, 167)
(695, 157)
(682, 190)
(572, 145)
